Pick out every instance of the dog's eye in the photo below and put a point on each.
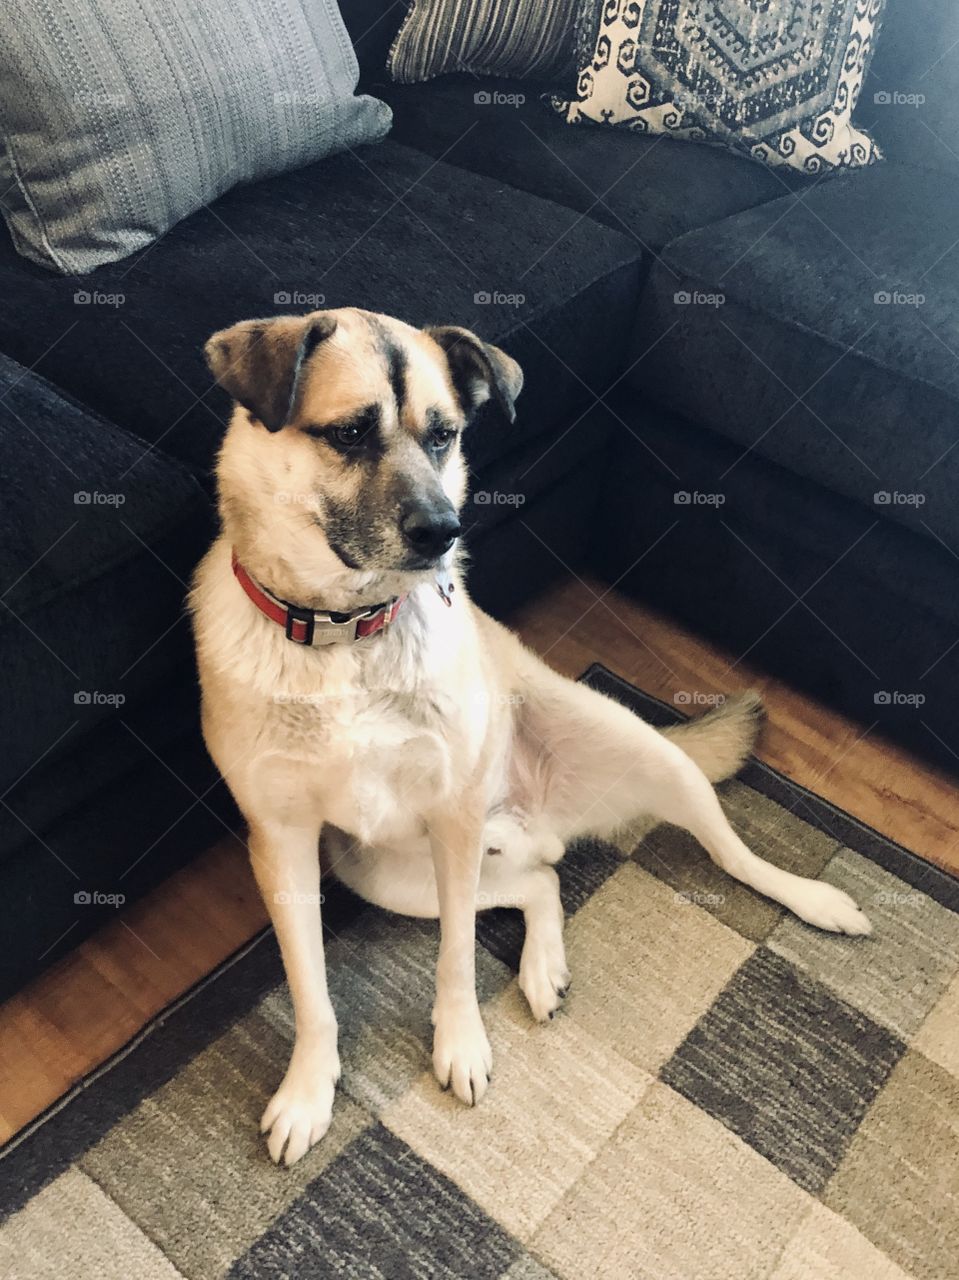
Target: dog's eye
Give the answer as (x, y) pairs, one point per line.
(440, 437)
(350, 434)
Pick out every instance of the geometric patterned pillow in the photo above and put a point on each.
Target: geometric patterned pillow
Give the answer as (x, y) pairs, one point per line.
(777, 79)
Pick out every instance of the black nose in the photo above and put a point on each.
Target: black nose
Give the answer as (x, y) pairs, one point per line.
(429, 531)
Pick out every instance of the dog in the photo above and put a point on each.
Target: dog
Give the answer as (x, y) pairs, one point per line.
(351, 687)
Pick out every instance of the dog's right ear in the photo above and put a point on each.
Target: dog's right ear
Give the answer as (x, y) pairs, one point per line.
(260, 362)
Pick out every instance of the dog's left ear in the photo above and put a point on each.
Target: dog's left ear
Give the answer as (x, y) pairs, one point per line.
(259, 362)
(479, 370)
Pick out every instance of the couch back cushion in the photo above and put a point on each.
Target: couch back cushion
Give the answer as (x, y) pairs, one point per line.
(910, 101)
(118, 120)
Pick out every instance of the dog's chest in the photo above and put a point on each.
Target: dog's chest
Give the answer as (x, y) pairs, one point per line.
(373, 764)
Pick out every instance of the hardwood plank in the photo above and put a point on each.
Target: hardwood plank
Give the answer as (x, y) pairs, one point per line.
(87, 1006)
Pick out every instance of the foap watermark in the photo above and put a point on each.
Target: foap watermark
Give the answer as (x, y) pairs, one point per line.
(696, 898)
(893, 498)
(92, 98)
(96, 298)
(484, 698)
(693, 698)
(898, 98)
(498, 298)
(296, 98)
(96, 898)
(300, 699)
(697, 298)
(900, 898)
(495, 98)
(94, 498)
(294, 898)
(687, 498)
(497, 498)
(298, 298)
(98, 698)
(898, 698)
(898, 298)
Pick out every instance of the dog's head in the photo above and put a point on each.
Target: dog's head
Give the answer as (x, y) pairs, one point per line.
(352, 422)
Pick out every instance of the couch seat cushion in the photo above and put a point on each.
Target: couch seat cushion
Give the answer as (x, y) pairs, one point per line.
(98, 536)
(822, 331)
(389, 229)
(649, 188)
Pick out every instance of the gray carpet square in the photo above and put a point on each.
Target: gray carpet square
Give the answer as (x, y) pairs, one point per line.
(379, 1212)
(902, 969)
(785, 1065)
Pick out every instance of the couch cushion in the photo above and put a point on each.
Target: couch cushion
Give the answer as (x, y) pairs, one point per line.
(910, 99)
(651, 189)
(389, 229)
(98, 536)
(823, 333)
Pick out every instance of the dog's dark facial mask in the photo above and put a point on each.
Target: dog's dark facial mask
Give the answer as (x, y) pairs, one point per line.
(381, 407)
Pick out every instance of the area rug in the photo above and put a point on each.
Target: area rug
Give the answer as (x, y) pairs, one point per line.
(726, 1092)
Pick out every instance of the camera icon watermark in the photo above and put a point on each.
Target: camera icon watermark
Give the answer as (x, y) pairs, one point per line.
(898, 298)
(96, 298)
(86, 498)
(893, 498)
(298, 298)
(498, 298)
(897, 698)
(495, 98)
(687, 498)
(697, 298)
(497, 498)
(95, 898)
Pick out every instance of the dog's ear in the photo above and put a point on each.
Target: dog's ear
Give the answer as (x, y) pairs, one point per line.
(479, 370)
(259, 362)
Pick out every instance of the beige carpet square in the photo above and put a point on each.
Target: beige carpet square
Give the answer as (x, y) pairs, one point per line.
(826, 1247)
(555, 1098)
(673, 1195)
(72, 1231)
(938, 1036)
(645, 966)
(899, 1182)
(189, 1166)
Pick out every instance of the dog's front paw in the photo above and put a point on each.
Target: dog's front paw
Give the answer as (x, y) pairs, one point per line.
(299, 1113)
(462, 1057)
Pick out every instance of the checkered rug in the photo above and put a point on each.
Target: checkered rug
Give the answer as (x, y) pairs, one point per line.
(726, 1093)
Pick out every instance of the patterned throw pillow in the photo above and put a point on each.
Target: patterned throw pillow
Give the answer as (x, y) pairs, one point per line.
(528, 39)
(777, 79)
(119, 119)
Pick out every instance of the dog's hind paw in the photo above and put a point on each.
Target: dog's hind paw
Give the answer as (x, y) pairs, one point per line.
(830, 908)
(543, 978)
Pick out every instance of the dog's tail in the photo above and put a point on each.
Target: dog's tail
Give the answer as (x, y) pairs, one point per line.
(721, 741)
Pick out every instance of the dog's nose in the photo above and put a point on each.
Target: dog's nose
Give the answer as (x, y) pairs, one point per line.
(429, 531)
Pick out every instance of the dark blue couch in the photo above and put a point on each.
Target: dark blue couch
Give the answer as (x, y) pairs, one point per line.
(588, 254)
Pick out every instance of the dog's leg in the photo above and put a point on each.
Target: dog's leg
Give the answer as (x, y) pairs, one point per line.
(607, 767)
(462, 1057)
(287, 869)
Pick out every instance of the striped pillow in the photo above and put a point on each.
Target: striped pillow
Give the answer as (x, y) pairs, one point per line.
(528, 39)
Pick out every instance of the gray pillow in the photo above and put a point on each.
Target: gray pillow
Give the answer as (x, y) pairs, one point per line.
(120, 117)
(529, 39)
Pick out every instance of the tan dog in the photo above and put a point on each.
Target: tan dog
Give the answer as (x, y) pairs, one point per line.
(446, 765)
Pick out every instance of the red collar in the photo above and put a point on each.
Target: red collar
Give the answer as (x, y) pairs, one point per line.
(309, 627)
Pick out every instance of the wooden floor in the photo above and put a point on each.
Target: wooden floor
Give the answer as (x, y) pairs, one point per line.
(94, 1000)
